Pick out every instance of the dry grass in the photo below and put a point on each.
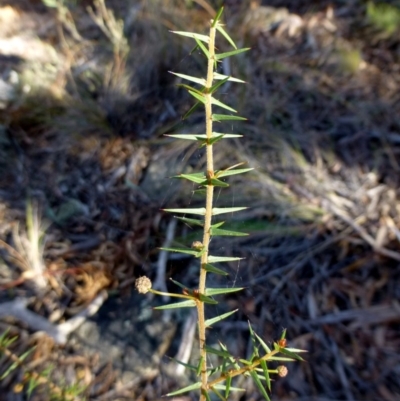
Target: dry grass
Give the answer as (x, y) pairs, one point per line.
(84, 138)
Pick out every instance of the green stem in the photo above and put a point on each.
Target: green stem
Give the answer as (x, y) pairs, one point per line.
(207, 217)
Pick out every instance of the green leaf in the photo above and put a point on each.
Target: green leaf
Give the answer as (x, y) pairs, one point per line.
(15, 365)
(216, 183)
(212, 269)
(199, 365)
(200, 81)
(291, 354)
(191, 222)
(203, 48)
(260, 386)
(231, 79)
(186, 389)
(203, 137)
(222, 387)
(179, 284)
(200, 211)
(210, 322)
(295, 350)
(221, 210)
(217, 291)
(201, 98)
(32, 384)
(187, 251)
(218, 232)
(191, 110)
(219, 395)
(221, 353)
(227, 37)
(225, 173)
(192, 35)
(207, 300)
(218, 84)
(266, 373)
(216, 102)
(198, 178)
(219, 259)
(224, 117)
(263, 344)
(283, 335)
(190, 88)
(228, 386)
(217, 17)
(205, 393)
(186, 365)
(185, 304)
(281, 359)
(231, 53)
(253, 340)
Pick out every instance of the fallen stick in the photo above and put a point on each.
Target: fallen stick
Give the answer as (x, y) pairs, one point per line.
(18, 310)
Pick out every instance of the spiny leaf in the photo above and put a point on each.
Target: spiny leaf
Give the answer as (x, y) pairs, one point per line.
(219, 259)
(216, 183)
(186, 365)
(203, 48)
(210, 322)
(207, 300)
(184, 304)
(178, 284)
(192, 35)
(218, 232)
(192, 222)
(231, 53)
(224, 117)
(199, 366)
(221, 210)
(291, 354)
(221, 353)
(216, 102)
(187, 251)
(200, 81)
(186, 389)
(217, 291)
(221, 76)
(222, 387)
(217, 17)
(225, 34)
(226, 173)
(201, 98)
(266, 373)
(190, 88)
(203, 137)
(228, 386)
(218, 84)
(258, 383)
(200, 211)
(198, 178)
(212, 269)
(263, 344)
(219, 395)
(191, 110)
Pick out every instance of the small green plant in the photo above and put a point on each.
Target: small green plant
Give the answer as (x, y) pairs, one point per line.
(33, 379)
(218, 379)
(383, 16)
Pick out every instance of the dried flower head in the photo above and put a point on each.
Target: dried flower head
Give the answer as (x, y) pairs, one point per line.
(282, 370)
(143, 284)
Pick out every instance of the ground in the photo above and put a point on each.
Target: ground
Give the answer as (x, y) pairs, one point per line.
(85, 102)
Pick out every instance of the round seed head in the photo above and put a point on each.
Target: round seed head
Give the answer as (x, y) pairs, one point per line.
(282, 370)
(143, 284)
